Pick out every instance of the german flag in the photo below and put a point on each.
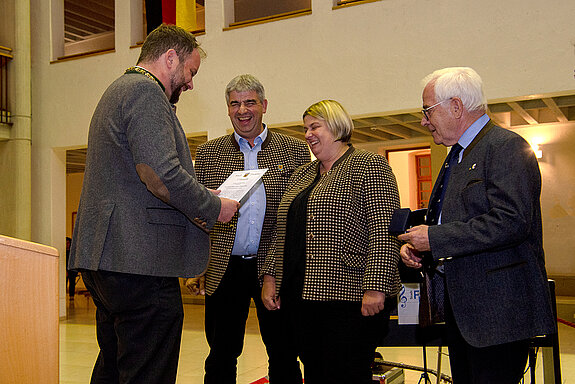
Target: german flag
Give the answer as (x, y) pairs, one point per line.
(179, 12)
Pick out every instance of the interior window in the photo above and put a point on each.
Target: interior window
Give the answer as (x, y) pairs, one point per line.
(88, 26)
(249, 11)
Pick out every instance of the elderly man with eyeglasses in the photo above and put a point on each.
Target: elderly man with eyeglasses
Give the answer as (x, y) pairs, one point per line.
(481, 246)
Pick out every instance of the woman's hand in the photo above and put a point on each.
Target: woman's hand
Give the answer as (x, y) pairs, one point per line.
(372, 302)
(269, 298)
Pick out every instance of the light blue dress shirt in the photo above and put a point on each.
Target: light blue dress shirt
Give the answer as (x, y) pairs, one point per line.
(471, 132)
(468, 137)
(253, 206)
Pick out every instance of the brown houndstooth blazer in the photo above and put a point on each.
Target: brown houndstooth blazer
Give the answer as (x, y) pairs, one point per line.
(348, 247)
(216, 160)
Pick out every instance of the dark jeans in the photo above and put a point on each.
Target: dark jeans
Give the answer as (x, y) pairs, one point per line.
(139, 326)
(498, 364)
(336, 343)
(226, 314)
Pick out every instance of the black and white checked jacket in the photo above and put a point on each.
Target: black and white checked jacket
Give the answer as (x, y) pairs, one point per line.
(349, 249)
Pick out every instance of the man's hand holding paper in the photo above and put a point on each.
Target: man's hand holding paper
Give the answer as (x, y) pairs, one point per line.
(239, 183)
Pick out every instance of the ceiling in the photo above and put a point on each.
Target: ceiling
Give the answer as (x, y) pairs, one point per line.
(511, 114)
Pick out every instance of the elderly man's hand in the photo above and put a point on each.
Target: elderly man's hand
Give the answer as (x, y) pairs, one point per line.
(410, 256)
(418, 237)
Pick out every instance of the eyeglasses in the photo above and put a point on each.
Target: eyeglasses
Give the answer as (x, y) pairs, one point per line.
(425, 111)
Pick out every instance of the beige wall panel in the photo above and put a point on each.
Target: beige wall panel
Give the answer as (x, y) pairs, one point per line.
(28, 312)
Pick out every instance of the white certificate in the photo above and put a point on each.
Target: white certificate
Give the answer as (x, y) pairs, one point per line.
(240, 183)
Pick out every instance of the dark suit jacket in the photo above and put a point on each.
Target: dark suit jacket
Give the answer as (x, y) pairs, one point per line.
(491, 238)
(121, 226)
(348, 247)
(216, 160)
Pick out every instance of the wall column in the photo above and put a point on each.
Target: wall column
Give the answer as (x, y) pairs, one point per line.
(21, 135)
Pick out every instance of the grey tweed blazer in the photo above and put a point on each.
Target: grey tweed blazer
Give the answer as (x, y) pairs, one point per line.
(216, 160)
(348, 247)
(491, 238)
(122, 226)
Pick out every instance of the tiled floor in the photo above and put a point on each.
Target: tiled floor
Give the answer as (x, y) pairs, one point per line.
(78, 350)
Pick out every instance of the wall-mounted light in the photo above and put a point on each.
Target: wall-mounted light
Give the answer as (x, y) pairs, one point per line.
(538, 152)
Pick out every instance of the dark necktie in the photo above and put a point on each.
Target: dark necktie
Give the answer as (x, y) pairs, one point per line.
(431, 309)
(435, 205)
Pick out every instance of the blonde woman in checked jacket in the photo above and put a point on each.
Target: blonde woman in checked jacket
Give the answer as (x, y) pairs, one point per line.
(333, 263)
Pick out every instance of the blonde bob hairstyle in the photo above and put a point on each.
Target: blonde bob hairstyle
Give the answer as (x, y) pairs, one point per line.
(337, 119)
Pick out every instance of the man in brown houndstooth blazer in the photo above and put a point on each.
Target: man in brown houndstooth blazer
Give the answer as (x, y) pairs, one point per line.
(239, 248)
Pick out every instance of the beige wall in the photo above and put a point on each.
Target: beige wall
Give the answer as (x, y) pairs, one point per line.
(369, 57)
(73, 190)
(7, 26)
(6, 190)
(399, 162)
(15, 151)
(404, 168)
(6, 148)
(558, 194)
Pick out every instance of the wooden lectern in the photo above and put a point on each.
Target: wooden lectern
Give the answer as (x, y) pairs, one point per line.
(28, 312)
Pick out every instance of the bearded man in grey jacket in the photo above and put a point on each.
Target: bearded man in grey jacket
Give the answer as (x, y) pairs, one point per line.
(143, 217)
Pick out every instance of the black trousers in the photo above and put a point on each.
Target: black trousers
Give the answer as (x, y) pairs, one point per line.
(71, 277)
(226, 315)
(139, 326)
(498, 364)
(336, 343)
